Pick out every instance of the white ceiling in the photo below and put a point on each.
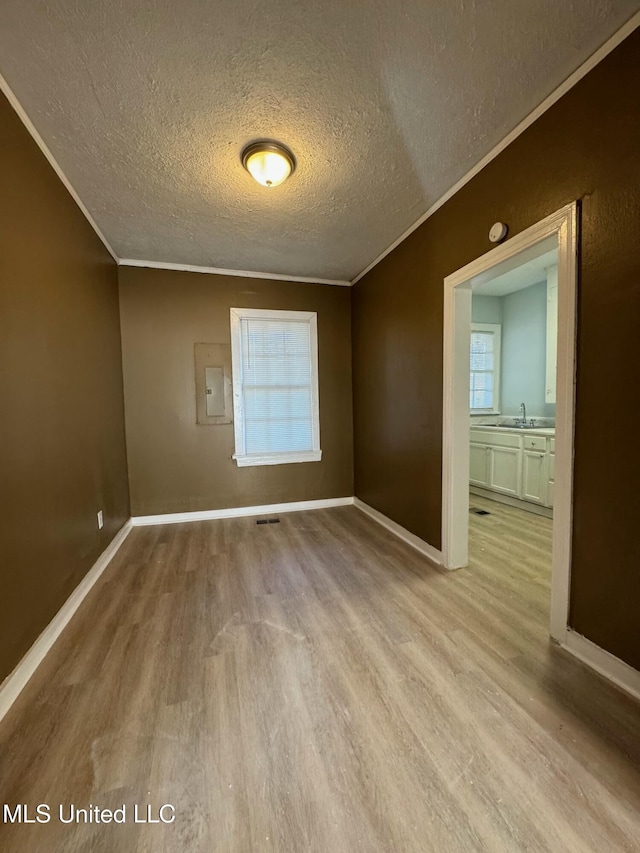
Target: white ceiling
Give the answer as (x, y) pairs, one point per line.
(526, 275)
(147, 105)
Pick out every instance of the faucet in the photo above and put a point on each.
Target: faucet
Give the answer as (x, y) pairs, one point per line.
(523, 412)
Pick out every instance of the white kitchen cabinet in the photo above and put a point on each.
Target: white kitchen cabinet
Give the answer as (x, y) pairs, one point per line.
(504, 470)
(479, 465)
(495, 461)
(551, 470)
(513, 463)
(534, 476)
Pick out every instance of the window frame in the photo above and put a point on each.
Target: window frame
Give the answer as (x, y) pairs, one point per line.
(241, 457)
(496, 329)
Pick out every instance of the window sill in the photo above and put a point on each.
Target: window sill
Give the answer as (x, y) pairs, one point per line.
(276, 458)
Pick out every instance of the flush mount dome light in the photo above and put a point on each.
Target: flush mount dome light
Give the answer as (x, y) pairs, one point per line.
(269, 163)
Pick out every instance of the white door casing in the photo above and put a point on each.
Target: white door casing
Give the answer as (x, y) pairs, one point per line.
(559, 229)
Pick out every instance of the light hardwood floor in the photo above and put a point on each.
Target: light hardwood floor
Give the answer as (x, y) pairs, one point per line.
(316, 685)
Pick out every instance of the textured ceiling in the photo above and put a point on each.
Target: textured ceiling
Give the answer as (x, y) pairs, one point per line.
(146, 105)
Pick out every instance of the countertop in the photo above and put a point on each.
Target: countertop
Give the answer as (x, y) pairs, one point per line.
(551, 431)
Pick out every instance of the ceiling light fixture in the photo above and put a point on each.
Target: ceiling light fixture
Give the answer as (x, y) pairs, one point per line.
(269, 163)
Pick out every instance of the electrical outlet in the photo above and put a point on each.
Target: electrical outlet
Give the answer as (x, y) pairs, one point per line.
(100, 520)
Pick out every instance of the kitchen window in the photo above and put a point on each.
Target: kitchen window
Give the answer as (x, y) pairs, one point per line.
(275, 386)
(484, 385)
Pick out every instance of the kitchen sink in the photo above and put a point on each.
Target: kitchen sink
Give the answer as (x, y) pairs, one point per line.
(507, 426)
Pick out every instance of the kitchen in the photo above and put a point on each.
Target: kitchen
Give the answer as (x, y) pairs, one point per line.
(513, 387)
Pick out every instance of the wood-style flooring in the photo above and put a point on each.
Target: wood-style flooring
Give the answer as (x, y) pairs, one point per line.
(317, 685)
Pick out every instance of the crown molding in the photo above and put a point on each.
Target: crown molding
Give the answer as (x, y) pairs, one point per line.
(603, 51)
(24, 118)
(161, 265)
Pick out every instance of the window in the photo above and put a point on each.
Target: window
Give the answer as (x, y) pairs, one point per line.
(484, 386)
(275, 386)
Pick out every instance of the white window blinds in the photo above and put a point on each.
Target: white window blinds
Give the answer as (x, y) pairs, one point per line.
(484, 368)
(275, 386)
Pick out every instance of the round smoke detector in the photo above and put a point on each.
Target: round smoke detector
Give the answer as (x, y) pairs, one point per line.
(498, 232)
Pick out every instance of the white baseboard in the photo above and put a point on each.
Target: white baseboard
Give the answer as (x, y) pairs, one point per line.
(14, 683)
(608, 665)
(237, 512)
(401, 532)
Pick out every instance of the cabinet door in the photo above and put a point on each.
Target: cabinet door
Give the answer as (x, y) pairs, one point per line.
(478, 467)
(504, 470)
(534, 477)
(552, 477)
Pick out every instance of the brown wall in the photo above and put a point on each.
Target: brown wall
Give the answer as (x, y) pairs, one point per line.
(176, 465)
(587, 146)
(62, 449)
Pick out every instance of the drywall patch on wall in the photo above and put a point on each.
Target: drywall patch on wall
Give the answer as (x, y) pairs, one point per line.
(213, 386)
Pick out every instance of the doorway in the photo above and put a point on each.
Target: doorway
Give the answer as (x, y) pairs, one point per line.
(557, 232)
